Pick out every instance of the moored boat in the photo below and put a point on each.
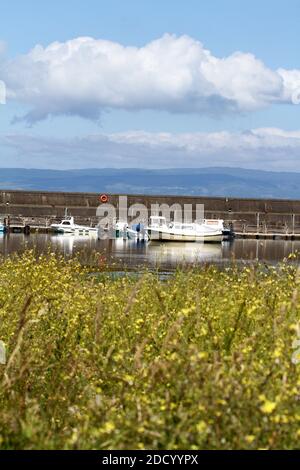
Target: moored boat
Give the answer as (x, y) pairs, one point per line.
(2, 227)
(136, 232)
(68, 225)
(120, 228)
(206, 231)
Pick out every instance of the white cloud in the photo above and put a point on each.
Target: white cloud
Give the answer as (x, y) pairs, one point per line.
(84, 76)
(291, 85)
(265, 148)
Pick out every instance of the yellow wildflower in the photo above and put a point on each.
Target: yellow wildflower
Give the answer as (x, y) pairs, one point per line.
(268, 407)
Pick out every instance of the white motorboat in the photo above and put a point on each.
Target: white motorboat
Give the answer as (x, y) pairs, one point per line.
(68, 225)
(209, 230)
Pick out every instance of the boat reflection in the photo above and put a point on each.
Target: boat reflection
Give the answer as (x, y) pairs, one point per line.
(161, 254)
(67, 243)
(173, 253)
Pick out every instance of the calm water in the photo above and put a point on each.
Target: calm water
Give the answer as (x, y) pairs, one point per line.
(166, 256)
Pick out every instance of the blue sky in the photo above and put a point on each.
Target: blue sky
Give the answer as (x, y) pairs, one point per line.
(77, 128)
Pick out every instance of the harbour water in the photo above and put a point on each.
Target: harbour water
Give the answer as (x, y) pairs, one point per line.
(134, 255)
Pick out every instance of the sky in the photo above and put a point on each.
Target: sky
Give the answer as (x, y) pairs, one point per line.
(150, 84)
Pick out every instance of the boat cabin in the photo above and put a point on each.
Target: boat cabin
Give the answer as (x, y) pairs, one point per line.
(157, 221)
(67, 222)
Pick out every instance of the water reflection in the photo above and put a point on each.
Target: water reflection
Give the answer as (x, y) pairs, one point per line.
(186, 253)
(68, 243)
(166, 255)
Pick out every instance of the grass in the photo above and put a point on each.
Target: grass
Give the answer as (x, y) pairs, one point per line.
(202, 360)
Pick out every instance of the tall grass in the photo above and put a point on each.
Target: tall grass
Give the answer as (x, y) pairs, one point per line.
(202, 360)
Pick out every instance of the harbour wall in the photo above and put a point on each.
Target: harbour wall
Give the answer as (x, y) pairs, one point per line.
(40, 208)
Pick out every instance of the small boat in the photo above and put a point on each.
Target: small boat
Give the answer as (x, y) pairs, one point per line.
(2, 227)
(68, 225)
(136, 232)
(120, 228)
(209, 230)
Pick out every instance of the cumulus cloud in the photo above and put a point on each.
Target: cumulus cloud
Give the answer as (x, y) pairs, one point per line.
(264, 148)
(84, 76)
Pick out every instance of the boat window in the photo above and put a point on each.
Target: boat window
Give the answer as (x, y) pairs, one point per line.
(66, 223)
(212, 222)
(158, 221)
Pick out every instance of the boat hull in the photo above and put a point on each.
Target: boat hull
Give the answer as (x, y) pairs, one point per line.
(61, 230)
(166, 236)
(76, 230)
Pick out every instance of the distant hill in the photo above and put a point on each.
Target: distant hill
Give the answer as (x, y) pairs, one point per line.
(231, 182)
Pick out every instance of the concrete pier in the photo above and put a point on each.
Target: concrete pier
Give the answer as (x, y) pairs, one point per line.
(249, 218)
